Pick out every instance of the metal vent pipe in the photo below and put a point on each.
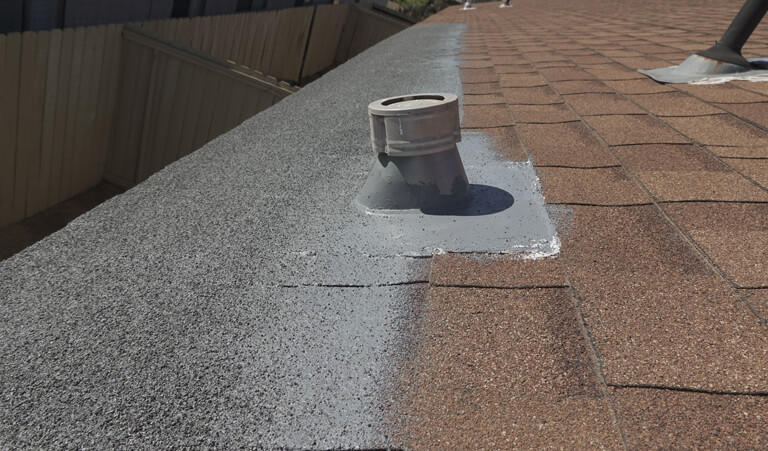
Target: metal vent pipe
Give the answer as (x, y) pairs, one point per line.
(417, 163)
(728, 48)
(722, 59)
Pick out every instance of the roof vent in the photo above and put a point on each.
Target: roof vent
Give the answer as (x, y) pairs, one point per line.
(722, 59)
(468, 6)
(417, 163)
(505, 4)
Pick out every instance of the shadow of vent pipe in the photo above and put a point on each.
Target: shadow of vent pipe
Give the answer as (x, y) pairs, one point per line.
(724, 57)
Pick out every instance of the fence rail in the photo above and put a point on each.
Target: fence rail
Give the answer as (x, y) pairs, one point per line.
(122, 101)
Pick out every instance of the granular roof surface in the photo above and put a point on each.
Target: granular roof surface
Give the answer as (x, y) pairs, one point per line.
(648, 330)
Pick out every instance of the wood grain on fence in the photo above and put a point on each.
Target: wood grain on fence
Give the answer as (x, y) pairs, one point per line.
(324, 41)
(12, 205)
(56, 97)
(271, 42)
(175, 104)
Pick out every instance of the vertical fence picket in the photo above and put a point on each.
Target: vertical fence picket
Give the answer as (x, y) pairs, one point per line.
(248, 36)
(251, 104)
(49, 147)
(184, 32)
(70, 149)
(235, 107)
(130, 107)
(167, 83)
(79, 180)
(63, 75)
(210, 93)
(99, 69)
(5, 177)
(177, 112)
(10, 57)
(198, 33)
(28, 145)
(107, 95)
(219, 120)
(208, 35)
(147, 123)
(192, 112)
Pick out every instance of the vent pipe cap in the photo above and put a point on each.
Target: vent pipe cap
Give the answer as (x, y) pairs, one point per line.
(413, 125)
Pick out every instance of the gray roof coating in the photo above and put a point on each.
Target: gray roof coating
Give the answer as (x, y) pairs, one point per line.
(223, 301)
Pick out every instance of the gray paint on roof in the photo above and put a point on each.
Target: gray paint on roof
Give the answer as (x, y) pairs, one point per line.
(505, 214)
(176, 314)
(232, 299)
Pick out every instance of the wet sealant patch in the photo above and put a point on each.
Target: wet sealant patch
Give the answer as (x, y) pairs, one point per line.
(709, 72)
(506, 215)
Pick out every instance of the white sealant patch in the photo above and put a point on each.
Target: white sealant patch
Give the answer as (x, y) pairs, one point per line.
(753, 75)
(673, 75)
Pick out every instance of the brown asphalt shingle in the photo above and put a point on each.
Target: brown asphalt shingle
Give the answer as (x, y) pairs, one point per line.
(581, 87)
(758, 301)
(755, 112)
(621, 130)
(483, 99)
(483, 116)
(662, 419)
(504, 368)
(757, 170)
(601, 104)
(521, 80)
(687, 173)
(481, 88)
(507, 143)
(658, 313)
(540, 95)
(734, 235)
(602, 186)
(613, 72)
(674, 104)
(720, 130)
(725, 93)
(570, 144)
(543, 114)
(483, 75)
(638, 86)
(496, 271)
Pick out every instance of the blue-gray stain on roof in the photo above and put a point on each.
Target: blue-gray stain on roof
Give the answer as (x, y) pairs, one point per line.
(215, 304)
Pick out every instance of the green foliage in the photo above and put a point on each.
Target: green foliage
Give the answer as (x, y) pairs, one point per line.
(421, 9)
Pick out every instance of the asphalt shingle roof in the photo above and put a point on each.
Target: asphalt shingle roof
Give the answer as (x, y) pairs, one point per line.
(649, 329)
(213, 306)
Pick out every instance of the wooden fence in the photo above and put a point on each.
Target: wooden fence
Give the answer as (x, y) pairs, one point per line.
(173, 100)
(79, 105)
(291, 44)
(57, 91)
